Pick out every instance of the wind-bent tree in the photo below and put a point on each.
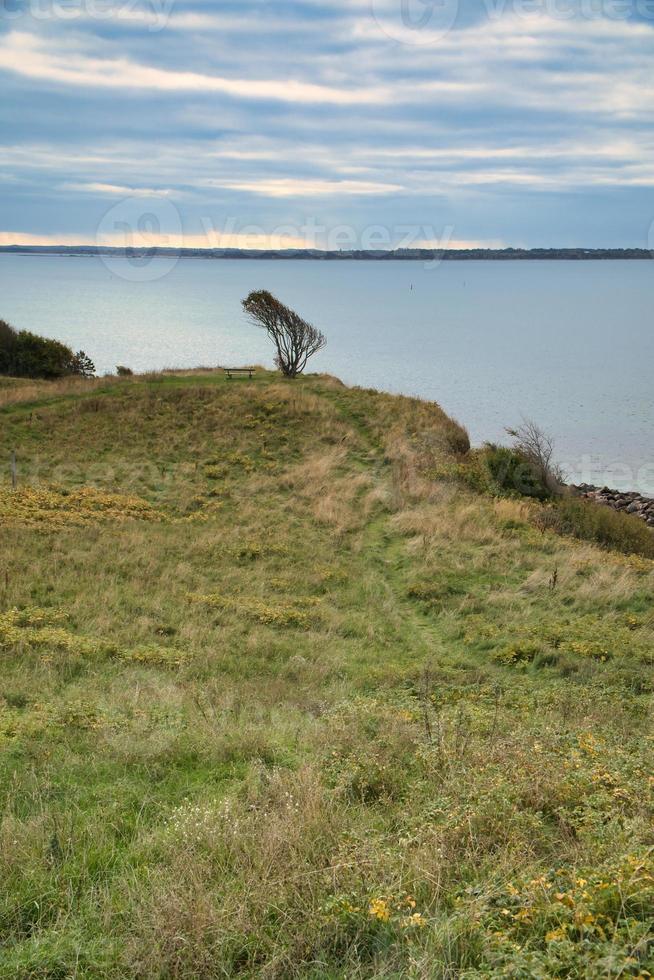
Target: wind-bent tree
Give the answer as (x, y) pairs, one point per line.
(83, 365)
(294, 338)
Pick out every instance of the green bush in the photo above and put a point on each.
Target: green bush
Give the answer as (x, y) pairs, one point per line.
(595, 522)
(7, 339)
(514, 473)
(26, 355)
(31, 356)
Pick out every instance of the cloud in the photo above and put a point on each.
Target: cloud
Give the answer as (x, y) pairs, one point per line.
(315, 110)
(39, 238)
(161, 15)
(116, 189)
(214, 238)
(293, 187)
(30, 57)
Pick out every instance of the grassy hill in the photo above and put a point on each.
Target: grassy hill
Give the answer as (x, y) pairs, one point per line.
(281, 696)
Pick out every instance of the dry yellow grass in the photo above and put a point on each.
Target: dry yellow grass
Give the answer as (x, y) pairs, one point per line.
(25, 392)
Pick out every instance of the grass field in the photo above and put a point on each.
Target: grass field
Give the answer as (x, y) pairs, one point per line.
(281, 696)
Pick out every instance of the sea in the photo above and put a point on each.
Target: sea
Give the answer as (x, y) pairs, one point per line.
(568, 345)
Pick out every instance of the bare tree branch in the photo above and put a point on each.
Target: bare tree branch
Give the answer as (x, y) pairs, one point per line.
(537, 447)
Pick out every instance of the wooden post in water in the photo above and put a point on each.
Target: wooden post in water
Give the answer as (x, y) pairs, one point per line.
(13, 469)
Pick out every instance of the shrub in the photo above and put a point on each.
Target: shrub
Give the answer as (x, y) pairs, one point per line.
(38, 357)
(537, 447)
(595, 522)
(511, 471)
(124, 372)
(26, 355)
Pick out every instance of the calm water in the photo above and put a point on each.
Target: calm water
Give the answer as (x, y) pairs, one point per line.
(570, 345)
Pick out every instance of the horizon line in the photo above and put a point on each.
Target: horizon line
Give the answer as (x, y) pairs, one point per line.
(311, 252)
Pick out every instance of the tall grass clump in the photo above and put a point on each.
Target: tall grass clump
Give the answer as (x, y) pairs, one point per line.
(457, 438)
(590, 521)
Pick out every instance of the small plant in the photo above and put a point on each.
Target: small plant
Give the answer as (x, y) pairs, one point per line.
(521, 652)
(154, 655)
(124, 372)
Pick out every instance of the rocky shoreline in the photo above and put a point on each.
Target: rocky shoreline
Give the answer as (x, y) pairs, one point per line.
(629, 502)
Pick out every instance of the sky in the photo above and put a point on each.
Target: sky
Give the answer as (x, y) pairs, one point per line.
(327, 123)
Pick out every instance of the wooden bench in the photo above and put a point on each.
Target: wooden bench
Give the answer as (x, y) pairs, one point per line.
(239, 372)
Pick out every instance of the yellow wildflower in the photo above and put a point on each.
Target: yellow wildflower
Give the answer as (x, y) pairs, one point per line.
(379, 909)
(555, 935)
(413, 920)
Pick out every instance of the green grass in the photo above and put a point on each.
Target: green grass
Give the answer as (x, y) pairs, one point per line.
(281, 696)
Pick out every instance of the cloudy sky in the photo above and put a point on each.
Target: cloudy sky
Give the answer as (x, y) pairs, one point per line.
(331, 123)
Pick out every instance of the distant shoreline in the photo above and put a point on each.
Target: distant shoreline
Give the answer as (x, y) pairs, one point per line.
(397, 255)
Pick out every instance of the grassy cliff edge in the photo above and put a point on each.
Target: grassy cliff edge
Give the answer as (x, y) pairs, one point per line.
(283, 696)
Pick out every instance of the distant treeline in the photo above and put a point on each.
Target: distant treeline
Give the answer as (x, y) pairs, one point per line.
(400, 254)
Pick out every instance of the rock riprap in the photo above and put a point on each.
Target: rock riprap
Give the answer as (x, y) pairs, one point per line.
(629, 501)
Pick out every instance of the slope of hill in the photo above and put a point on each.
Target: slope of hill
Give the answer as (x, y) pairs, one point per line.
(281, 697)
